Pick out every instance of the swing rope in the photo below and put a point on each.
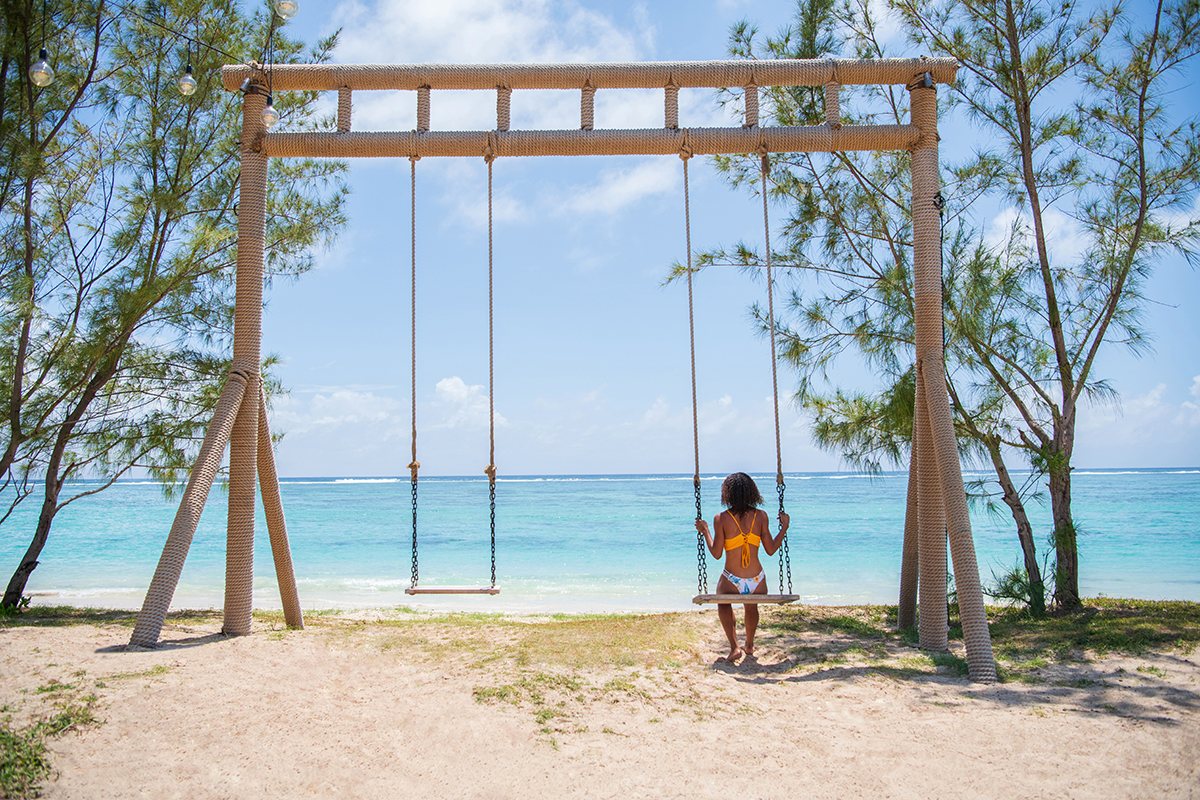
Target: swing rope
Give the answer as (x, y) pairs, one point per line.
(702, 571)
(414, 465)
(491, 467)
(785, 558)
(490, 470)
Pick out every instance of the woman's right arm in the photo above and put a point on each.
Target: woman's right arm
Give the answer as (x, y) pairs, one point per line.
(715, 547)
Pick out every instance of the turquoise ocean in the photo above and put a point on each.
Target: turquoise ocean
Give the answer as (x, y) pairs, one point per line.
(587, 543)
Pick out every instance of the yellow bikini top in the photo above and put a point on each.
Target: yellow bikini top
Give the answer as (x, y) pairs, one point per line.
(743, 540)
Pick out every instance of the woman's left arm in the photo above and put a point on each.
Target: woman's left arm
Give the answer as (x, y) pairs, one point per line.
(771, 544)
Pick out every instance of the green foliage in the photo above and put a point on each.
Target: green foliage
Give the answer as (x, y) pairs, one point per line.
(1014, 587)
(7, 612)
(118, 220)
(23, 758)
(23, 763)
(1102, 625)
(1074, 120)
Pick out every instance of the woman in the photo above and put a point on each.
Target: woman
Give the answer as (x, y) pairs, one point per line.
(738, 532)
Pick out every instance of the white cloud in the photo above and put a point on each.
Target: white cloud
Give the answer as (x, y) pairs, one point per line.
(457, 405)
(1065, 237)
(337, 409)
(619, 188)
(482, 31)
(1148, 430)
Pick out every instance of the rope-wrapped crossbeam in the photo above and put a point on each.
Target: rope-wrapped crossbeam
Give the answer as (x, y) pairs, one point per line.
(653, 75)
(652, 141)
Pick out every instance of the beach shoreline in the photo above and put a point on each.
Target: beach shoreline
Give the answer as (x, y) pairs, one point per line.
(387, 703)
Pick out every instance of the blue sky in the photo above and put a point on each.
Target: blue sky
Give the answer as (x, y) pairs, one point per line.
(591, 351)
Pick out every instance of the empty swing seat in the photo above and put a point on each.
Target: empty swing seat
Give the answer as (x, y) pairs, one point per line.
(452, 590)
(754, 599)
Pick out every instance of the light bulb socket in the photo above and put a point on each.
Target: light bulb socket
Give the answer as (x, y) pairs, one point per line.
(43, 55)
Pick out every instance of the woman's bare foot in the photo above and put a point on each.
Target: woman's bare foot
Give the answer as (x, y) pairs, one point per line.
(749, 648)
(734, 655)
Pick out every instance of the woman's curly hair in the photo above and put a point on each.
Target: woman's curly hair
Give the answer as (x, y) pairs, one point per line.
(740, 494)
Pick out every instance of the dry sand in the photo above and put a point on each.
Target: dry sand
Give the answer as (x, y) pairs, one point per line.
(421, 707)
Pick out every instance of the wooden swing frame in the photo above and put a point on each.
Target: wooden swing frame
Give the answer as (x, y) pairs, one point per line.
(937, 499)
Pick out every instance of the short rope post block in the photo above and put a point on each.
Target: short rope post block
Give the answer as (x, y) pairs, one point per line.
(423, 109)
(833, 106)
(343, 112)
(503, 108)
(671, 107)
(587, 107)
(751, 106)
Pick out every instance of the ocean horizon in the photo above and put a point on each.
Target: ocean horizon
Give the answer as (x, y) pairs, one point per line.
(589, 543)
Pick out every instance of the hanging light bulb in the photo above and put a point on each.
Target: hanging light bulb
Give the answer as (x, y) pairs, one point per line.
(287, 8)
(270, 115)
(41, 73)
(187, 84)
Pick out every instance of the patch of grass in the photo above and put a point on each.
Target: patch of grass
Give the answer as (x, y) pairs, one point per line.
(64, 616)
(957, 666)
(23, 762)
(1102, 625)
(619, 641)
(23, 759)
(531, 688)
(156, 670)
(55, 686)
(1152, 670)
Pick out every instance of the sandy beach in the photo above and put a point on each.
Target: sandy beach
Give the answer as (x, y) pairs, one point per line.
(387, 705)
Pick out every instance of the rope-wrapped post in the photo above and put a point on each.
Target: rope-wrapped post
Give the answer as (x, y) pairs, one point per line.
(422, 109)
(503, 108)
(281, 550)
(833, 106)
(751, 106)
(906, 615)
(932, 622)
(343, 112)
(671, 107)
(927, 284)
(587, 107)
(247, 358)
(170, 565)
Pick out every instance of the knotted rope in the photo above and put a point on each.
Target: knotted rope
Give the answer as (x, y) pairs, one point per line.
(490, 470)
(702, 566)
(785, 558)
(414, 465)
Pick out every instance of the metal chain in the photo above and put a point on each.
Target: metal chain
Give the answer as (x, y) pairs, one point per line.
(702, 563)
(939, 203)
(414, 537)
(492, 495)
(785, 556)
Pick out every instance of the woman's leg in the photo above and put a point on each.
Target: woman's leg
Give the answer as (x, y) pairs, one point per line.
(725, 614)
(751, 626)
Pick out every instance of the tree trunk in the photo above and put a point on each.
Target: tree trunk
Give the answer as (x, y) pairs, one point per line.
(16, 586)
(1066, 578)
(1037, 587)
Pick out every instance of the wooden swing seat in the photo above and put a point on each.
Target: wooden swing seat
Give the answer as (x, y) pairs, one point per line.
(452, 590)
(755, 599)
